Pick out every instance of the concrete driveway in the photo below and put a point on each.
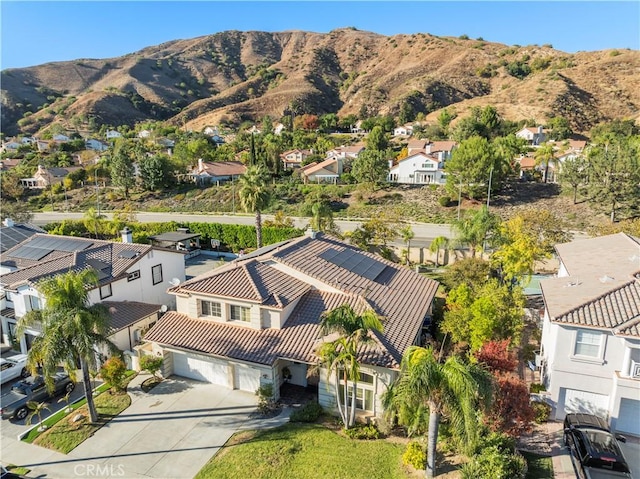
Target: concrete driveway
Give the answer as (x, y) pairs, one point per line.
(170, 432)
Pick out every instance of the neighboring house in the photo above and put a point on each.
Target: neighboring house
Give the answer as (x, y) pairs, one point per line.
(210, 130)
(60, 138)
(405, 130)
(242, 324)
(417, 169)
(216, 172)
(9, 163)
(527, 164)
(442, 149)
(416, 146)
(166, 142)
(13, 233)
(590, 357)
(45, 177)
(130, 320)
(327, 171)
(294, 158)
(144, 134)
(278, 129)
(126, 272)
(11, 146)
(357, 128)
(95, 145)
(112, 134)
(533, 135)
(345, 152)
(43, 145)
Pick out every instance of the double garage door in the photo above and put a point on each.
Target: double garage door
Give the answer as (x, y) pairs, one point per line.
(216, 371)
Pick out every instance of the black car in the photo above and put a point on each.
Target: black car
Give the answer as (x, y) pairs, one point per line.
(593, 447)
(13, 405)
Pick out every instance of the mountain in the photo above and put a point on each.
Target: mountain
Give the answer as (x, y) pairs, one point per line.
(235, 76)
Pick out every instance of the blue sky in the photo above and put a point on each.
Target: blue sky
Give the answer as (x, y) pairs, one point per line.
(41, 32)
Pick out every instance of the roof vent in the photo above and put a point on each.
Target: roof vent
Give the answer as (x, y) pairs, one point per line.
(573, 283)
(606, 279)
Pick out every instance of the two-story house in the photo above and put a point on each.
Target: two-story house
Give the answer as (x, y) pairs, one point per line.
(534, 135)
(127, 272)
(417, 169)
(590, 357)
(256, 320)
(294, 158)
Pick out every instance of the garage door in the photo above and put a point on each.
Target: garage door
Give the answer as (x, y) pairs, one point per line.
(629, 417)
(247, 378)
(208, 370)
(583, 401)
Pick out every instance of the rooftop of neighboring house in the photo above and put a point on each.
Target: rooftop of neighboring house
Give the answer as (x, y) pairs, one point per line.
(293, 270)
(602, 289)
(220, 168)
(315, 167)
(44, 255)
(12, 234)
(127, 313)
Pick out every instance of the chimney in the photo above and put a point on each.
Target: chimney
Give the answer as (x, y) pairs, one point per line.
(310, 232)
(127, 235)
(8, 222)
(200, 167)
(540, 129)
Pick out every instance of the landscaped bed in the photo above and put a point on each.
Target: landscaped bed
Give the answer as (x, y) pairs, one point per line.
(539, 467)
(64, 435)
(301, 451)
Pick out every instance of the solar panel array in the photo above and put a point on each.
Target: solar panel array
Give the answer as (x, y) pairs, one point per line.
(41, 246)
(355, 262)
(128, 254)
(12, 236)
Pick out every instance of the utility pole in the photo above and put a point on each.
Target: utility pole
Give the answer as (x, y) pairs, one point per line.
(489, 190)
(459, 198)
(97, 189)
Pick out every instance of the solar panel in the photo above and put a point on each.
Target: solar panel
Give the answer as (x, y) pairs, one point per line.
(128, 254)
(355, 262)
(59, 244)
(27, 252)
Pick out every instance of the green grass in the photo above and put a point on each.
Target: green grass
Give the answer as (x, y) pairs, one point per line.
(18, 469)
(540, 467)
(301, 451)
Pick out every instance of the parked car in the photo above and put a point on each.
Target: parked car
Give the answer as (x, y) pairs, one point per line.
(13, 367)
(595, 451)
(13, 405)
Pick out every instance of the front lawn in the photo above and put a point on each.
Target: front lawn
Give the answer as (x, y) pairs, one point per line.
(301, 451)
(66, 435)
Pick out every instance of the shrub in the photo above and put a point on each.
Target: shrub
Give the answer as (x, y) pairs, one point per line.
(614, 53)
(151, 364)
(492, 463)
(536, 387)
(542, 411)
(444, 200)
(266, 403)
(310, 412)
(113, 371)
(415, 456)
(361, 431)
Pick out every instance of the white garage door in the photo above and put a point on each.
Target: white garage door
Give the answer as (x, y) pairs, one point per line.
(583, 401)
(247, 378)
(208, 370)
(629, 417)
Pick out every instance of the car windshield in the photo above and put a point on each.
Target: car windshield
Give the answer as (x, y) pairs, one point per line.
(603, 443)
(20, 388)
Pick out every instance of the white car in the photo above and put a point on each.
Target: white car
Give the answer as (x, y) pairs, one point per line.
(13, 367)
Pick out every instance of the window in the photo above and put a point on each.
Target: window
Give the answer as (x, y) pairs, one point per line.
(239, 313)
(32, 302)
(211, 308)
(133, 275)
(364, 391)
(105, 291)
(588, 343)
(156, 273)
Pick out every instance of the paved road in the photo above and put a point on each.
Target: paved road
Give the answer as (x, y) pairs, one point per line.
(424, 232)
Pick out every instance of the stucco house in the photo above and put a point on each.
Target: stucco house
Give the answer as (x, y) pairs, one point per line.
(533, 134)
(126, 272)
(111, 134)
(327, 171)
(96, 145)
(590, 356)
(44, 177)
(417, 169)
(404, 130)
(217, 171)
(242, 324)
(294, 158)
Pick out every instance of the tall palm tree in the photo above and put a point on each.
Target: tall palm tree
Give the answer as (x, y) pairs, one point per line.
(341, 355)
(451, 389)
(322, 219)
(254, 194)
(474, 227)
(71, 329)
(543, 156)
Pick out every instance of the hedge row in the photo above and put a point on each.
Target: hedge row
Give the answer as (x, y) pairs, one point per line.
(232, 237)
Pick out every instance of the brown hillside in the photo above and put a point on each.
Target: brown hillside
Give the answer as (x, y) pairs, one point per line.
(234, 76)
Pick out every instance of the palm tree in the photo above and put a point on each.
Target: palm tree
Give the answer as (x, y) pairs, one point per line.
(37, 409)
(451, 389)
(543, 156)
(71, 329)
(341, 355)
(254, 194)
(407, 235)
(474, 227)
(436, 244)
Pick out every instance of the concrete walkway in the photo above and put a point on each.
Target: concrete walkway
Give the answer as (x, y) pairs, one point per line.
(170, 432)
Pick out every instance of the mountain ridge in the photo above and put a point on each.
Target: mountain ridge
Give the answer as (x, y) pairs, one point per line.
(235, 76)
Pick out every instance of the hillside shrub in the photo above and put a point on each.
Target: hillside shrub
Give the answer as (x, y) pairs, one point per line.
(310, 412)
(444, 200)
(415, 456)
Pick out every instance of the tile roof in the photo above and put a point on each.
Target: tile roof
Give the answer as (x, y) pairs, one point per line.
(221, 168)
(251, 280)
(399, 295)
(320, 166)
(126, 313)
(297, 341)
(602, 289)
(86, 252)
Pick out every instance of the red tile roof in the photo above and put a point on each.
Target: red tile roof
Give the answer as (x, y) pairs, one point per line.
(127, 313)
